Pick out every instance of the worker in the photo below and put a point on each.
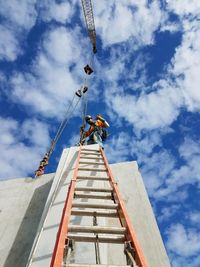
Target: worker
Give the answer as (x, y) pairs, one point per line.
(96, 133)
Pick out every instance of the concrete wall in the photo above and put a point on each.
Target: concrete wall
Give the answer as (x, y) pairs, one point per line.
(46, 217)
(21, 206)
(140, 212)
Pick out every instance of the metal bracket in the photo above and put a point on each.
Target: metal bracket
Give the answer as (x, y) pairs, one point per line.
(129, 252)
(112, 197)
(66, 247)
(69, 244)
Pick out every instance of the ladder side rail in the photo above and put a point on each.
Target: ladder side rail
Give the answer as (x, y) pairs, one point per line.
(124, 218)
(58, 253)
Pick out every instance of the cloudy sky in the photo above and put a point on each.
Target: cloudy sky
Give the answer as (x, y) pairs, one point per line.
(146, 84)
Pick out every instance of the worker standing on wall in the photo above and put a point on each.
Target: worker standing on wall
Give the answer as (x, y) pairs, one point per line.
(96, 133)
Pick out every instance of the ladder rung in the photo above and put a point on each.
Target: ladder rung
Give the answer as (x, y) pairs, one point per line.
(92, 169)
(97, 178)
(86, 149)
(92, 163)
(93, 189)
(97, 229)
(90, 153)
(92, 205)
(96, 213)
(118, 239)
(98, 158)
(78, 195)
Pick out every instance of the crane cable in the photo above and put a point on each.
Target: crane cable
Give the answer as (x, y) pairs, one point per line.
(85, 99)
(69, 112)
(72, 106)
(89, 19)
(60, 129)
(84, 104)
(64, 123)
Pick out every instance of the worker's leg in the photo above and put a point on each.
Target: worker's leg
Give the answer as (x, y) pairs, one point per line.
(97, 138)
(91, 140)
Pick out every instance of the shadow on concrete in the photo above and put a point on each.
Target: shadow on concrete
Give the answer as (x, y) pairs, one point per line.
(20, 250)
(70, 166)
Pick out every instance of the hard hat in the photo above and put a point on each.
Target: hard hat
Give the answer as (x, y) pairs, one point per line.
(88, 117)
(99, 117)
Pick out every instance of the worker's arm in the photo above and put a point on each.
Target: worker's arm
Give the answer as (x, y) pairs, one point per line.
(88, 133)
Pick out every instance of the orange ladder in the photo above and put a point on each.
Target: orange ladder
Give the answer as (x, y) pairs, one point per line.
(68, 234)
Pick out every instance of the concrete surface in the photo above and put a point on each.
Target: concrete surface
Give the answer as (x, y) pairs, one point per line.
(44, 223)
(21, 205)
(140, 212)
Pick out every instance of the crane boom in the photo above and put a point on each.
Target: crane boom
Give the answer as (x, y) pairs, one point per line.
(89, 19)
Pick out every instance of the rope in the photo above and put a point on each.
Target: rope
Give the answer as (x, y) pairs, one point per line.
(68, 115)
(70, 111)
(92, 60)
(84, 111)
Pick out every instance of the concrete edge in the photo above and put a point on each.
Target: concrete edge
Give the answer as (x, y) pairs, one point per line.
(51, 195)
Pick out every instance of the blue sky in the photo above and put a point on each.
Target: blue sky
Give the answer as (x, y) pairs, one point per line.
(146, 84)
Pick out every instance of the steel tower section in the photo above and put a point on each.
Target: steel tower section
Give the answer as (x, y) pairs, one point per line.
(89, 19)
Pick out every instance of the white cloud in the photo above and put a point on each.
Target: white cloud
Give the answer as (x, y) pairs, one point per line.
(155, 174)
(20, 13)
(145, 144)
(73, 140)
(167, 212)
(134, 77)
(21, 150)
(19, 16)
(61, 12)
(184, 7)
(36, 132)
(149, 111)
(178, 87)
(186, 66)
(50, 99)
(117, 22)
(50, 84)
(117, 147)
(186, 174)
(189, 148)
(171, 27)
(186, 62)
(183, 242)
(2, 77)
(194, 217)
(61, 45)
(9, 45)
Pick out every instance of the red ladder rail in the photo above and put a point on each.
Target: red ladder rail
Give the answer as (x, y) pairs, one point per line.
(124, 218)
(58, 253)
